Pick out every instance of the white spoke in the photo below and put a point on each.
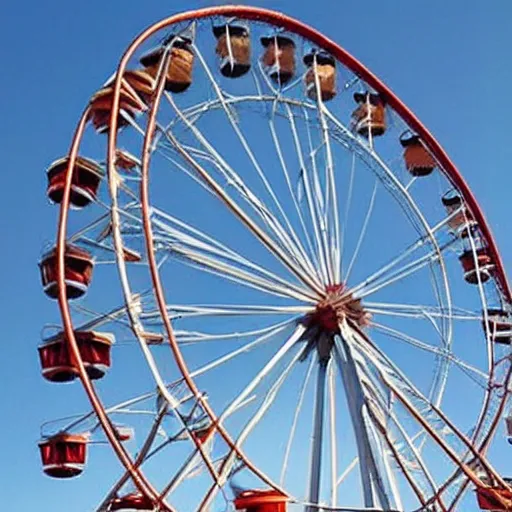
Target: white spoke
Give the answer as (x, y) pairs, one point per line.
(268, 400)
(278, 356)
(331, 196)
(196, 336)
(90, 227)
(420, 311)
(230, 272)
(314, 197)
(347, 471)
(298, 251)
(295, 420)
(177, 311)
(361, 291)
(279, 246)
(315, 471)
(242, 350)
(413, 457)
(292, 340)
(333, 436)
(438, 351)
(226, 262)
(347, 207)
(286, 173)
(371, 478)
(363, 231)
(435, 423)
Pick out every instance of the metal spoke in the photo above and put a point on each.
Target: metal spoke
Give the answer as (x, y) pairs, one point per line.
(313, 196)
(438, 351)
(293, 428)
(299, 251)
(318, 431)
(141, 457)
(362, 290)
(331, 196)
(281, 249)
(286, 173)
(429, 416)
(371, 478)
(225, 262)
(177, 311)
(278, 356)
(363, 232)
(333, 436)
(421, 311)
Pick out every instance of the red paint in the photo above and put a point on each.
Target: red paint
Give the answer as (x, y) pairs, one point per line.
(490, 498)
(467, 260)
(202, 435)
(126, 161)
(333, 289)
(78, 265)
(123, 433)
(326, 318)
(418, 161)
(370, 116)
(101, 108)
(87, 176)
(133, 501)
(261, 501)
(499, 324)
(63, 455)
(94, 350)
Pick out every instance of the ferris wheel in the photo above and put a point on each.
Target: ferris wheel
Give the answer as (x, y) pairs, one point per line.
(276, 289)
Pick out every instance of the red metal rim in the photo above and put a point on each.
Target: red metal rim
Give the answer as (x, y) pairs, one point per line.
(138, 478)
(392, 100)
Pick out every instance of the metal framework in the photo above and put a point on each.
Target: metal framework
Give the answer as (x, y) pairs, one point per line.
(342, 271)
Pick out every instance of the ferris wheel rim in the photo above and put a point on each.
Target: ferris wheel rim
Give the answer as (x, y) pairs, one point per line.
(279, 19)
(307, 32)
(136, 474)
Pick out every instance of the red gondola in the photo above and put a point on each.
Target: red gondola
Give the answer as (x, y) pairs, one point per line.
(418, 160)
(201, 433)
(132, 501)
(233, 49)
(261, 501)
(64, 455)
(138, 82)
(320, 65)
(124, 433)
(370, 117)
(475, 265)
(494, 498)
(462, 221)
(126, 161)
(87, 175)
(78, 266)
(131, 256)
(101, 108)
(181, 62)
(499, 325)
(94, 350)
(279, 58)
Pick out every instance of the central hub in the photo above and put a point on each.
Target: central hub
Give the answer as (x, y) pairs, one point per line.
(339, 304)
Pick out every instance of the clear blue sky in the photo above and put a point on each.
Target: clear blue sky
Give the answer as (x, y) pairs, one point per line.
(448, 60)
